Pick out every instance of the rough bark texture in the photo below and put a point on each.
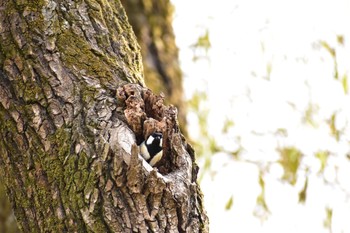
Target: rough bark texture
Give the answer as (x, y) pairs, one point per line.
(152, 23)
(69, 123)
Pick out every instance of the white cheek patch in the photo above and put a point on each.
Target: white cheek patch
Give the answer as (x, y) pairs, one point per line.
(161, 142)
(144, 151)
(150, 140)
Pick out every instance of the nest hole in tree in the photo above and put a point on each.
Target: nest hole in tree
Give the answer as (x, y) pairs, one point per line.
(145, 113)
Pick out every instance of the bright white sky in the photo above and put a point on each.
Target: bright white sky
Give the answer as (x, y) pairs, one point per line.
(247, 37)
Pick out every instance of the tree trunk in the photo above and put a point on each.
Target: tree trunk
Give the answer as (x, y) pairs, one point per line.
(73, 106)
(151, 21)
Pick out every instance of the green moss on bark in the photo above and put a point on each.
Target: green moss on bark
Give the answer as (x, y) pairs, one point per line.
(76, 49)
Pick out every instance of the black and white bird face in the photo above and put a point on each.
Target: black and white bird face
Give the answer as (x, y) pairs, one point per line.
(152, 149)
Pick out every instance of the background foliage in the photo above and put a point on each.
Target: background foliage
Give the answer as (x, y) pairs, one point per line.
(269, 112)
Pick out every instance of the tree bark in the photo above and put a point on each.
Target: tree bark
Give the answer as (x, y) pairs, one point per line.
(73, 107)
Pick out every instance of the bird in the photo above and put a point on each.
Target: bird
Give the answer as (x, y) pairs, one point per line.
(152, 148)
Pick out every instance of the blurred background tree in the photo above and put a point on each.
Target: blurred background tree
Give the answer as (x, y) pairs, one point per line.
(152, 23)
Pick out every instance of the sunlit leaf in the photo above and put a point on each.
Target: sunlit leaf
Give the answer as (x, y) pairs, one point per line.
(196, 99)
(202, 120)
(331, 50)
(203, 41)
(327, 223)
(323, 157)
(348, 156)
(302, 193)
(290, 161)
(201, 47)
(229, 203)
(262, 211)
(340, 39)
(195, 58)
(344, 82)
(236, 153)
(227, 125)
(207, 163)
(281, 132)
(213, 146)
(309, 113)
(336, 73)
(262, 202)
(262, 182)
(268, 70)
(334, 131)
